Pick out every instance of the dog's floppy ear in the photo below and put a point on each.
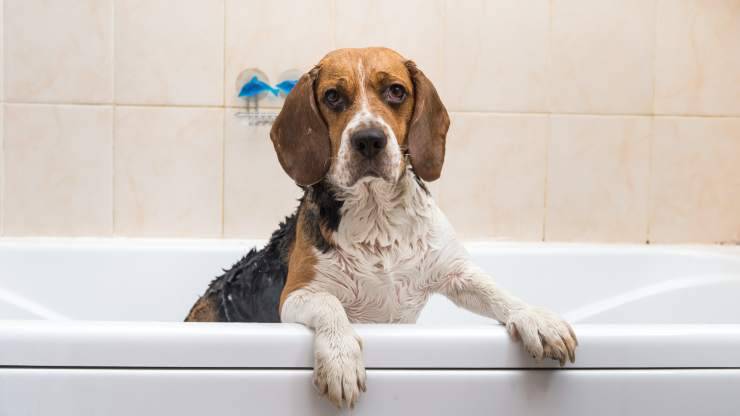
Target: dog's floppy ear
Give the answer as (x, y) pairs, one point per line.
(300, 136)
(428, 127)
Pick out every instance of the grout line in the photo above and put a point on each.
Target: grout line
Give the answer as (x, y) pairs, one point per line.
(681, 115)
(116, 104)
(438, 195)
(547, 178)
(3, 159)
(480, 113)
(113, 122)
(441, 47)
(223, 59)
(540, 113)
(223, 174)
(649, 186)
(655, 51)
(223, 128)
(333, 23)
(550, 65)
(113, 171)
(3, 37)
(548, 143)
(649, 201)
(113, 51)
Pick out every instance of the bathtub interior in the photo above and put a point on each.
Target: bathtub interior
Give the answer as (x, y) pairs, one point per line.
(123, 280)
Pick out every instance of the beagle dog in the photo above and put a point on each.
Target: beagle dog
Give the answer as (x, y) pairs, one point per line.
(361, 133)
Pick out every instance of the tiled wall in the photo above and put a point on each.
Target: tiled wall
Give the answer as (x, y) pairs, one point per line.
(572, 120)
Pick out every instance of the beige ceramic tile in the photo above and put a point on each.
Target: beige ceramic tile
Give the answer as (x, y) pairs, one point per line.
(58, 173)
(2, 52)
(496, 55)
(168, 171)
(597, 180)
(274, 36)
(493, 182)
(58, 51)
(414, 28)
(160, 60)
(258, 194)
(602, 56)
(695, 186)
(2, 162)
(698, 57)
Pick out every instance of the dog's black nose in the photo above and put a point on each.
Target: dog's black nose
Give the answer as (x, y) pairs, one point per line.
(369, 142)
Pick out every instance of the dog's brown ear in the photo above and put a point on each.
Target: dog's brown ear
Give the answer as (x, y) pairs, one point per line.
(428, 128)
(300, 136)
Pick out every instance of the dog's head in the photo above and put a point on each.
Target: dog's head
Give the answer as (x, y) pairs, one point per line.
(358, 114)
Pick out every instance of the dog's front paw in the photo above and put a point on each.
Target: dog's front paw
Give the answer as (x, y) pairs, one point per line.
(543, 334)
(339, 372)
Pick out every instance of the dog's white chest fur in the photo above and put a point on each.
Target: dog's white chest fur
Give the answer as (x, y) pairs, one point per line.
(380, 269)
(374, 286)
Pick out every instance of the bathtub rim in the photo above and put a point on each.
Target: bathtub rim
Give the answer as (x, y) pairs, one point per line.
(132, 344)
(109, 344)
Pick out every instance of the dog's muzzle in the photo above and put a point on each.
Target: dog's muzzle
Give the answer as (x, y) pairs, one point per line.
(368, 142)
(369, 156)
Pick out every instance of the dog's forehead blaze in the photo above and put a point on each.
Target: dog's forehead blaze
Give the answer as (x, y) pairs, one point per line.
(374, 68)
(346, 66)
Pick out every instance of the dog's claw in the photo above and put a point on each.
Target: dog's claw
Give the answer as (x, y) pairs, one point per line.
(543, 334)
(339, 372)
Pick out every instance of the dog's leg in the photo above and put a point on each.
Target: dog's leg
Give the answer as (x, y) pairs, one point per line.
(339, 371)
(543, 333)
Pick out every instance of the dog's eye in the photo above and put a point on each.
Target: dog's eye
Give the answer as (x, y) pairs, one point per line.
(395, 94)
(333, 98)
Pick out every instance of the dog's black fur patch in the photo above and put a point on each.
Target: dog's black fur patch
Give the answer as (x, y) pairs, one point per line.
(321, 208)
(250, 290)
(422, 184)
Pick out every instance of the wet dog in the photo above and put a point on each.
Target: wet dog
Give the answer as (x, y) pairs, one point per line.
(361, 133)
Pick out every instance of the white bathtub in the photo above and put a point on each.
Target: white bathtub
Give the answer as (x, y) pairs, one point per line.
(91, 327)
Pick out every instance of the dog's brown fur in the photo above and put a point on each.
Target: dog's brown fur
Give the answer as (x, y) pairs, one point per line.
(204, 310)
(301, 267)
